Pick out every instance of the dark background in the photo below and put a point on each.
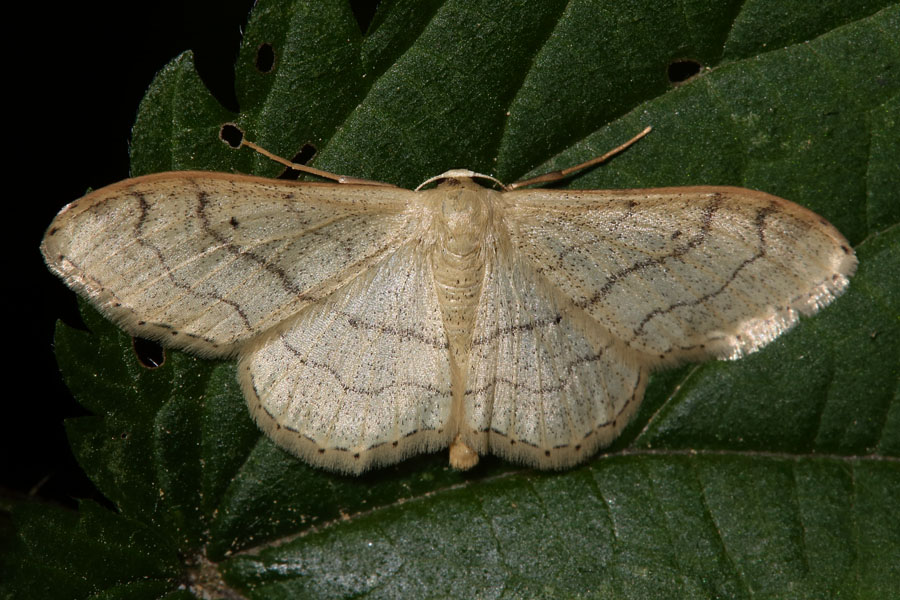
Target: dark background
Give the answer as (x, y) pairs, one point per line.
(79, 73)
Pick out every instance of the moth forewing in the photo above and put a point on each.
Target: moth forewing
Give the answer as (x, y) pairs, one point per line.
(183, 257)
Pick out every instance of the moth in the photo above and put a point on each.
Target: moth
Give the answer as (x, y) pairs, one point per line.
(371, 323)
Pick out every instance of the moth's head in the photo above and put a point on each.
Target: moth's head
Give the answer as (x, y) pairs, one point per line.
(459, 177)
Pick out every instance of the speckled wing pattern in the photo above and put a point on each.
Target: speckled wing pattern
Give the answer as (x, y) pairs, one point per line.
(682, 273)
(338, 300)
(546, 385)
(362, 378)
(590, 290)
(206, 261)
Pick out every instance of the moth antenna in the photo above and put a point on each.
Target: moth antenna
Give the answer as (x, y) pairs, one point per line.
(562, 173)
(312, 170)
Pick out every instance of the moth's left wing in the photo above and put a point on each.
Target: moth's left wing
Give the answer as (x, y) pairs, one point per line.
(206, 261)
(361, 378)
(682, 273)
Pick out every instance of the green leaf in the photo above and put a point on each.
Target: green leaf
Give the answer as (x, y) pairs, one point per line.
(773, 476)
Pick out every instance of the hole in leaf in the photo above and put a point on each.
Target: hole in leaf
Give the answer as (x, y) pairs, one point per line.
(306, 154)
(149, 353)
(681, 70)
(265, 58)
(231, 134)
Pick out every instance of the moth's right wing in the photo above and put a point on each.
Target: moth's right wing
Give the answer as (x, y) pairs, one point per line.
(682, 273)
(546, 386)
(205, 261)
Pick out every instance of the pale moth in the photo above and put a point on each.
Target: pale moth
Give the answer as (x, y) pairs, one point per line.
(371, 323)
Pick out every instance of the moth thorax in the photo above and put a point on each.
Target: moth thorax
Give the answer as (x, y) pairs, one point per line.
(463, 214)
